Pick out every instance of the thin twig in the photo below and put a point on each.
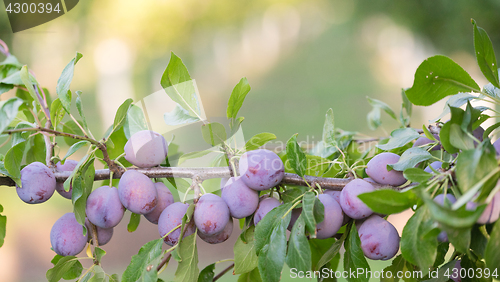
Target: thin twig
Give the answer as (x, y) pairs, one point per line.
(52, 131)
(163, 261)
(223, 272)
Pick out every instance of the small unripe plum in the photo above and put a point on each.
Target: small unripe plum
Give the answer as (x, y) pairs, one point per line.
(170, 218)
(69, 165)
(266, 204)
(490, 213)
(333, 217)
(443, 237)
(295, 215)
(146, 149)
(455, 272)
(165, 199)
(496, 144)
(104, 208)
(211, 214)
(103, 234)
(137, 192)
(261, 169)
(379, 238)
(435, 165)
(240, 199)
(66, 236)
(334, 194)
(424, 140)
(440, 199)
(376, 168)
(349, 201)
(38, 183)
(220, 237)
(478, 133)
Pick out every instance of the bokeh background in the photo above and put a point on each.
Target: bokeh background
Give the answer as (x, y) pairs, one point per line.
(301, 57)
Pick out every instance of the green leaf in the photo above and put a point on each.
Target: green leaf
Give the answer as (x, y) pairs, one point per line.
(207, 274)
(259, 140)
(388, 201)
(213, 133)
(252, 276)
(179, 116)
(14, 158)
(416, 175)
(410, 158)
(374, 118)
(399, 138)
(187, 270)
(329, 128)
(5, 87)
(485, 55)
(308, 202)
(99, 274)
(331, 252)
(135, 122)
(79, 107)
(8, 112)
(438, 77)
(265, 227)
(149, 254)
(74, 148)
(407, 105)
(245, 258)
(491, 254)
(15, 79)
(417, 245)
(83, 182)
(64, 265)
(121, 114)
(292, 193)
(354, 257)
(135, 219)
(75, 268)
(379, 104)
(272, 256)
(99, 253)
(25, 77)
(397, 265)
(459, 139)
(3, 227)
(72, 128)
(237, 97)
(299, 252)
(474, 165)
(36, 152)
(64, 81)
(296, 156)
(179, 87)
(57, 112)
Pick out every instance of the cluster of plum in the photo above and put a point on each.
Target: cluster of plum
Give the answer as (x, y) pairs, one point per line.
(259, 170)
(492, 211)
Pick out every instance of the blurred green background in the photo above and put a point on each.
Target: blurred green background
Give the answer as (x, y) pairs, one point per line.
(300, 57)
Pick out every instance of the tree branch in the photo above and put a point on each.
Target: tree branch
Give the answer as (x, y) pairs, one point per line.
(204, 173)
(223, 272)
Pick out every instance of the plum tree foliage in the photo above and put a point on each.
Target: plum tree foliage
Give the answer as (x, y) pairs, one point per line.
(337, 194)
